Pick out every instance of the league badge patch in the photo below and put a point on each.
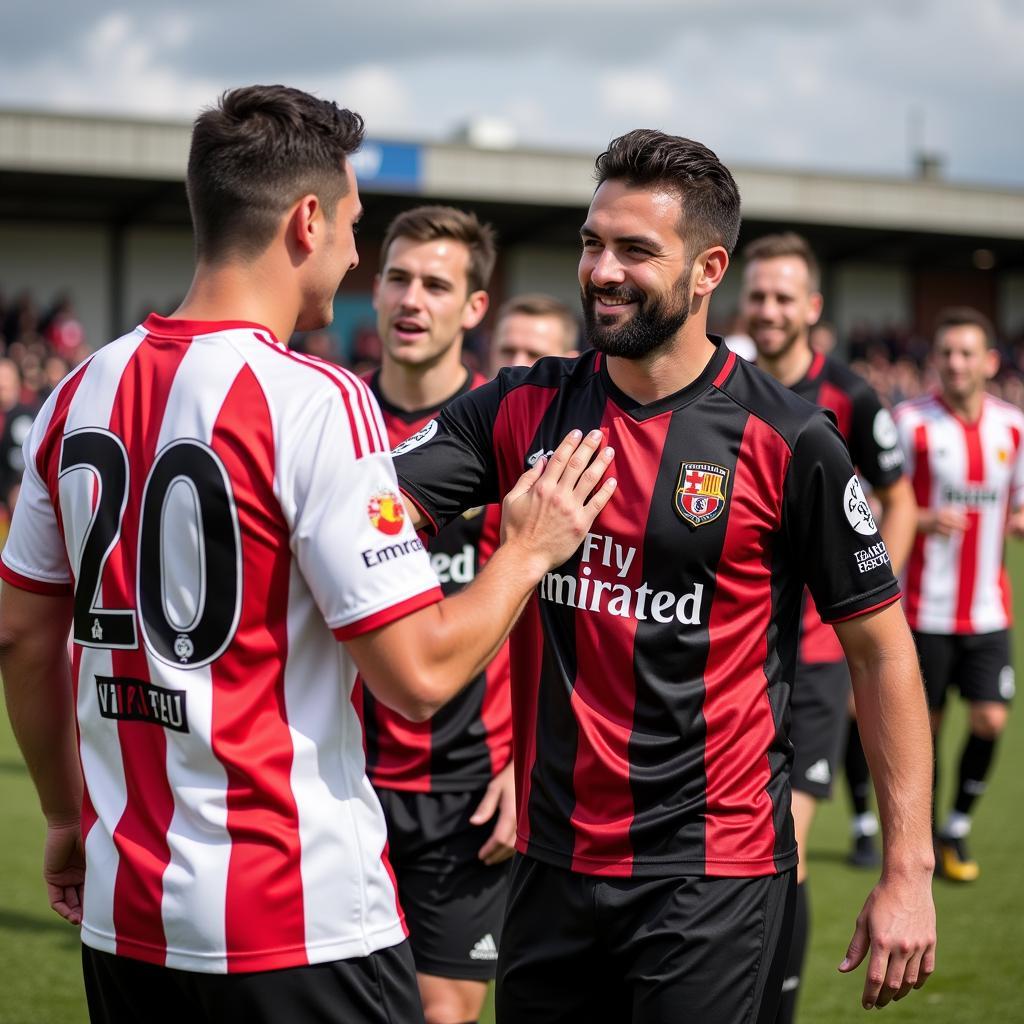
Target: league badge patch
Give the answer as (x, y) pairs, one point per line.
(701, 492)
(386, 512)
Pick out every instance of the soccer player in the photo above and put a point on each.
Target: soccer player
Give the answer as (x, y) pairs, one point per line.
(780, 302)
(650, 673)
(531, 326)
(210, 514)
(966, 461)
(445, 785)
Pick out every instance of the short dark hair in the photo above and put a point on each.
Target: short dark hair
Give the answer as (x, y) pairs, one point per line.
(786, 243)
(431, 223)
(539, 304)
(254, 154)
(707, 192)
(965, 316)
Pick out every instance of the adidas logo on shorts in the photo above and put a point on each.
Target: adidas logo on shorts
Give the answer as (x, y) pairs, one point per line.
(485, 949)
(819, 772)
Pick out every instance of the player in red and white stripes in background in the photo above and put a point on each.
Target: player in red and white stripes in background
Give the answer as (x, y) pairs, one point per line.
(966, 461)
(211, 513)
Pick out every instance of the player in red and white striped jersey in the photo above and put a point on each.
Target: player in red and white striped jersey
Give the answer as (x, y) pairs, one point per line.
(966, 461)
(209, 514)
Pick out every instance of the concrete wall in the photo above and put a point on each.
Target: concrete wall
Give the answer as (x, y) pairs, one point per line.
(868, 292)
(158, 269)
(1011, 302)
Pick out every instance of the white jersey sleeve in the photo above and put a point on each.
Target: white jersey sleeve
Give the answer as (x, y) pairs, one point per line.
(34, 553)
(351, 535)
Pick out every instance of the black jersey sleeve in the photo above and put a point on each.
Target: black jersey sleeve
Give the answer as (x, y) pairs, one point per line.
(874, 441)
(448, 466)
(831, 532)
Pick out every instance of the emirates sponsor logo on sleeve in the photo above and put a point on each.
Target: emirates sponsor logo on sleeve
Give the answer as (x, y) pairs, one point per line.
(134, 700)
(609, 597)
(422, 436)
(386, 512)
(372, 557)
(873, 557)
(701, 492)
(858, 512)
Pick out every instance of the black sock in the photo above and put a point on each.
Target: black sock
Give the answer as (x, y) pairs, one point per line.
(975, 762)
(797, 952)
(858, 779)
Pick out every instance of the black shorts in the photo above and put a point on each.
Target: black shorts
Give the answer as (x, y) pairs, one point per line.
(978, 664)
(817, 727)
(454, 903)
(376, 989)
(683, 950)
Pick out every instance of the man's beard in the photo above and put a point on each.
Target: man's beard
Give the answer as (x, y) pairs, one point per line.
(654, 323)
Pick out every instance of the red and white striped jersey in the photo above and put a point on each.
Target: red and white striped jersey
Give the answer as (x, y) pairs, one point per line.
(959, 584)
(226, 511)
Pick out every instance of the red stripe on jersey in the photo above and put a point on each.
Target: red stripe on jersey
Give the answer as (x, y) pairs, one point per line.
(1005, 591)
(141, 834)
(740, 724)
(723, 374)
(922, 482)
(818, 642)
(385, 858)
(817, 365)
(263, 909)
(8, 575)
(48, 455)
(604, 691)
(972, 534)
(89, 815)
(496, 711)
(526, 659)
(379, 441)
(404, 761)
(515, 428)
(386, 615)
(840, 403)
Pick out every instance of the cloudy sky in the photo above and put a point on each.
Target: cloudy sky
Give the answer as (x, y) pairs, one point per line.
(820, 84)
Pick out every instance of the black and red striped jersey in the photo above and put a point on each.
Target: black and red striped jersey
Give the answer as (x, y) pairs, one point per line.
(470, 739)
(651, 672)
(870, 434)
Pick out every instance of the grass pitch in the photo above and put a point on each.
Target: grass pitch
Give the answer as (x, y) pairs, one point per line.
(978, 977)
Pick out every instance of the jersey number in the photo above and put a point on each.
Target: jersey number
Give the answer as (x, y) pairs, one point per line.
(211, 536)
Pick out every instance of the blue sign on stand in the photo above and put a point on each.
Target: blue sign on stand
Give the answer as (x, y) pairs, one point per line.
(384, 166)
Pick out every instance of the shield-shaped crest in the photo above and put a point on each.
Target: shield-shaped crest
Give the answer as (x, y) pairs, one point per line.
(701, 492)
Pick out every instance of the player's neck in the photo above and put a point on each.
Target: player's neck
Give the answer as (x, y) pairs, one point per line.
(232, 292)
(967, 407)
(665, 371)
(790, 366)
(422, 386)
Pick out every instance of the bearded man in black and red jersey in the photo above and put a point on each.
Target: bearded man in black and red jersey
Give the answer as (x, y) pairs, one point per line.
(651, 672)
(446, 785)
(780, 302)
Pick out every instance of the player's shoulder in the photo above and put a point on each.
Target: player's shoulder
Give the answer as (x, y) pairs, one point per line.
(924, 408)
(551, 372)
(839, 374)
(779, 407)
(1006, 411)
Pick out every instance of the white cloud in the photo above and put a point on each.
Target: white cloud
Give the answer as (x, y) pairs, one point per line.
(637, 93)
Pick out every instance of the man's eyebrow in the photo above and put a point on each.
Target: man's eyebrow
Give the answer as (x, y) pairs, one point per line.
(646, 241)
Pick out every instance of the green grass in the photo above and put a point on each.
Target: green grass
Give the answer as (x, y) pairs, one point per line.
(978, 977)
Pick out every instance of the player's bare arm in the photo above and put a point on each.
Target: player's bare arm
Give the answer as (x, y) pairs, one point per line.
(895, 930)
(947, 521)
(34, 630)
(1015, 524)
(419, 662)
(899, 520)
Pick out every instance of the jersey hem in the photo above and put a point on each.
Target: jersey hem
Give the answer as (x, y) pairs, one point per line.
(431, 523)
(884, 603)
(462, 784)
(32, 584)
(640, 868)
(387, 615)
(244, 963)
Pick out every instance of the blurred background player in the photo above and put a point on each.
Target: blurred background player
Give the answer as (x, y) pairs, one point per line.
(966, 461)
(780, 302)
(530, 326)
(445, 785)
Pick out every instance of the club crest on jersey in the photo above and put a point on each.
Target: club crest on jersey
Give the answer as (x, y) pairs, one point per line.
(386, 512)
(701, 492)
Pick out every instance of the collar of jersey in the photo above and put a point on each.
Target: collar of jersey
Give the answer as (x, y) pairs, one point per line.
(411, 415)
(637, 411)
(166, 327)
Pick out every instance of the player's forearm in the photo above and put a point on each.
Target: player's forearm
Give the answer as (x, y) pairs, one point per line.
(899, 521)
(894, 729)
(38, 694)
